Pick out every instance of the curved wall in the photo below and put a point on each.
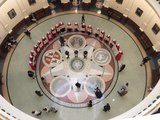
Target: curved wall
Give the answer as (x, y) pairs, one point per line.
(128, 8)
(22, 9)
(145, 22)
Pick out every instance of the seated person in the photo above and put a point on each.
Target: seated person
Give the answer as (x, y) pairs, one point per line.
(123, 91)
(76, 53)
(46, 109)
(9, 45)
(12, 40)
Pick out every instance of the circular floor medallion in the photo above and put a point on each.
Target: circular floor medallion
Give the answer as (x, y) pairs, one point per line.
(76, 42)
(52, 58)
(92, 83)
(60, 87)
(101, 56)
(77, 64)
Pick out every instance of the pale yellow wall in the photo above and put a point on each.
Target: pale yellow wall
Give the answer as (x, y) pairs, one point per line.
(128, 8)
(10, 23)
(28, 9)
(155, 38)
(145, 22)
(147, 12)
(22, 9)
(3, 32)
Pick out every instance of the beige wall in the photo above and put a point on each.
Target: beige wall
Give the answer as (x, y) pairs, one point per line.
(145, 22)
(155, 38)
(22, 9)
(128, 8)
(3, 32)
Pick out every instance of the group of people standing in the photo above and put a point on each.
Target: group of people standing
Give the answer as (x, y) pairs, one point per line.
(40, 94)
(45, 109)
(122, 91)
(124, 88)
(106, 107)
(99, 95)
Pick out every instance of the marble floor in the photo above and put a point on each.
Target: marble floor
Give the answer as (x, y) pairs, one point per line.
(99, 69)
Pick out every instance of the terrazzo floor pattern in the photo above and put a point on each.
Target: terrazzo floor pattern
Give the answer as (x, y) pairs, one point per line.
(21, 88)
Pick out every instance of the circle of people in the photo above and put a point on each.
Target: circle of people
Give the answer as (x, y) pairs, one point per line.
(59, 29)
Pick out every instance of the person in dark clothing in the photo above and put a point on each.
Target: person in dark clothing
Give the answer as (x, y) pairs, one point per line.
(12, 40)
(85, 53)
(83, 19)
(37, 112)
(109, 14)
(30, 74)
(61, 39)
(98, 93)
(76, 53)
(78, 85)
(107, 107)
(146, 59)
(27, 33)
(90, 103)
(122, 67)
(67, 54)
(38, 93)
(42, 78)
